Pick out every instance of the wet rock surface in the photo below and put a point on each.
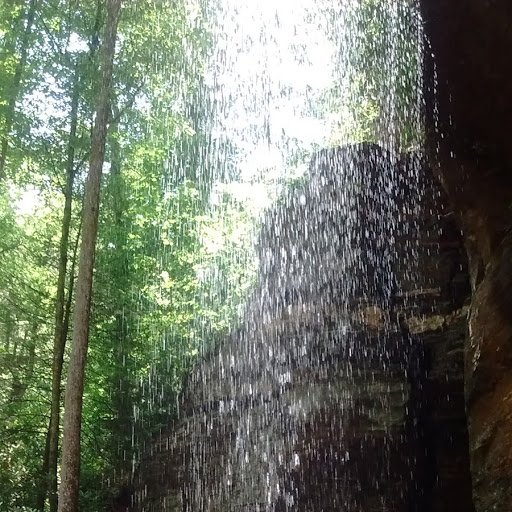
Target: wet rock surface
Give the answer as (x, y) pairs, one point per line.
(342, 390)
(472, 44)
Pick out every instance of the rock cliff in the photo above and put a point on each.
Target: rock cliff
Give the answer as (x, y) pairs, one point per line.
(342, 390)
(471, 44)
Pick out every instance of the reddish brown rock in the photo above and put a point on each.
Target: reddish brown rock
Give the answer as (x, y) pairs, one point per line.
(472, 46)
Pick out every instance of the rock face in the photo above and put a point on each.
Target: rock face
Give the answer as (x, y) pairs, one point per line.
(472, 44)
(342, 390)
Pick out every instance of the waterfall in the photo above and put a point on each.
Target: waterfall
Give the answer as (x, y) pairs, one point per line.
(312, 106)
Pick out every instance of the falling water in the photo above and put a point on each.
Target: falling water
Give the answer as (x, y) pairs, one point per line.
(314, 380)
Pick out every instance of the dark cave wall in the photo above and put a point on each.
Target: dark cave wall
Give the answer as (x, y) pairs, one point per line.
(472, 46)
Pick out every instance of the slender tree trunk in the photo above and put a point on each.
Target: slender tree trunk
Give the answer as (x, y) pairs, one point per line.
(15, 86)
(70, 470)
(32, 351)
(62, 314)
(23, 366)
(9, 328)
(69, 300)
(61, 330)
(44, 486)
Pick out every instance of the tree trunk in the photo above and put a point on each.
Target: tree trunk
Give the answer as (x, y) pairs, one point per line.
(60, 333)
(15, 86)
(45, 483)
(42, 487)
(70, 470)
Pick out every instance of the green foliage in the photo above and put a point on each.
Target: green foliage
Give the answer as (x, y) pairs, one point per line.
(380, 76)
(26, 283)
(146, 295)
